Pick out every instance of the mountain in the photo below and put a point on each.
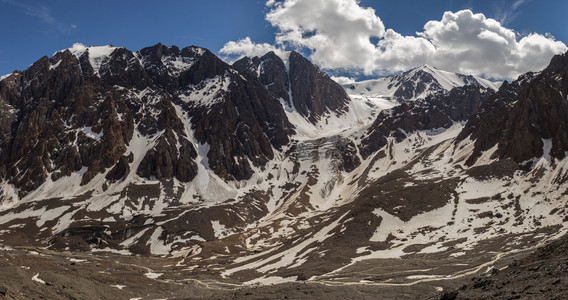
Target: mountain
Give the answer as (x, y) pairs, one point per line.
(149, 134)
(299, 84)
(89, 110)
(266, 171)
(417, 83)
(314, 104)
(435, 112)
(531, 113)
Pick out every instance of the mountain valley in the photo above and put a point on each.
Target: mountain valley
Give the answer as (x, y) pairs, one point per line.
(170, 169)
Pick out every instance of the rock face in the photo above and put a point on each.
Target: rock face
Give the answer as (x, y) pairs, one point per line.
(84, 107)
(526, 119)
(423, 80)
(437, 111)
(65, 121)
(271, 71)
(313, 92)
(298, 83)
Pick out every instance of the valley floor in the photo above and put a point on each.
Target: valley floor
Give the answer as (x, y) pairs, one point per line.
(37, 273)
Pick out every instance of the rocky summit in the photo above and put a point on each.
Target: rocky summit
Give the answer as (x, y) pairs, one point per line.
(168, 172)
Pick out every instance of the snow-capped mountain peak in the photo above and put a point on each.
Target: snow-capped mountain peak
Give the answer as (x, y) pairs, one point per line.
(415, 84)
(96, 54)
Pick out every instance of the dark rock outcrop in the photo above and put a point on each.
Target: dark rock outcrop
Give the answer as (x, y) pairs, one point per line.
(313, 92)
(166, 160)
(420, 81)
(440, 110)
(272, 73)
(242, 127)
(301, 85)
(522, 115)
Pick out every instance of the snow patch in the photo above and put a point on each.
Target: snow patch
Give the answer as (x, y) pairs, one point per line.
(5, 76)
(547, 146)
(423, 276)
(115, 251)
(219, 229)
(97, 54)
(267, 280)
(177, 65)
(208, 92)
(153, 275)
(361, 112)
(88, 131)
(36, 279)
(52, 67)
(118, 286)
(158, 246)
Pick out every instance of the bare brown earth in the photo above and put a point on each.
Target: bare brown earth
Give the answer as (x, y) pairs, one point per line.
(475, 275)
(540, 275)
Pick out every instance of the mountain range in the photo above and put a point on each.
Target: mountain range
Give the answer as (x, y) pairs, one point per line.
(268, 171)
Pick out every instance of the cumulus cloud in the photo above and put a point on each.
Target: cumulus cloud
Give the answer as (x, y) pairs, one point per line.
(471, 43)
(338, 33)
(245, 47)
(343, 79)
(342, 35)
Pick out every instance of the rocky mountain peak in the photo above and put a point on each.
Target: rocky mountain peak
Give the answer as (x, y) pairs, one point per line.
(313, 92)
(526, 118)
(558, 65)
(300, 85)
(271, 56)
(248, 65)
(437, 111)
(417, 83)
(272, 72)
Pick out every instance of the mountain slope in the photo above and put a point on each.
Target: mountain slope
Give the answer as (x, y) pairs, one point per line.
(414, 84)
(435, 112)
(314, 103)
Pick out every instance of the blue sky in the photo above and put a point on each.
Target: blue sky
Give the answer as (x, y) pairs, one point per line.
(32, 29)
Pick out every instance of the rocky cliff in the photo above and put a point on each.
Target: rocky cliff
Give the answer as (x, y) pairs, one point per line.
(302, 86)
(525, 119)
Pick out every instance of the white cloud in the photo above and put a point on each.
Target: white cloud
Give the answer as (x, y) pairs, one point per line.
(343, 79)
(342, 35)
(337, 32)
(245, 47)
(473, 44)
